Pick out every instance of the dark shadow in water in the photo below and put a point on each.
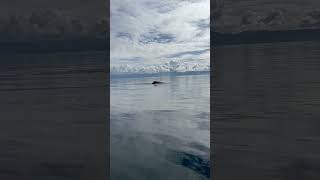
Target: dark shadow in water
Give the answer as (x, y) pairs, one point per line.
(191, 161)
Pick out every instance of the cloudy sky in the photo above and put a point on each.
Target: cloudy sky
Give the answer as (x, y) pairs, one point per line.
(153, 36)
(252, 15)
(53, 19)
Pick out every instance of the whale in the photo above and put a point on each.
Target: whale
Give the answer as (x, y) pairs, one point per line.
(157, 82)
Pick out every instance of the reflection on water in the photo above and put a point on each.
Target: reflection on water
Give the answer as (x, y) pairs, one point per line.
(266, 111)
(53, 116)
(160, 132)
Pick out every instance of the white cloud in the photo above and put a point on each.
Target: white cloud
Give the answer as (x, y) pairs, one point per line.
(153, 31)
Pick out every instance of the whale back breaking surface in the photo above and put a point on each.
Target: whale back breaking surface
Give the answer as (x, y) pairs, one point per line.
(157, 82)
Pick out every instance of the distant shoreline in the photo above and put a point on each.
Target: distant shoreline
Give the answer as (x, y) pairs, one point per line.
(140, 75)
(255, 37)
(53, 46)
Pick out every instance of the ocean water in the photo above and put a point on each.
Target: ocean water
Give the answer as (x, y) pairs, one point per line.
(266, 111)
(160, 131)
(53, 115)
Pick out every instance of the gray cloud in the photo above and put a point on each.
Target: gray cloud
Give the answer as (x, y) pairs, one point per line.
(124, 35)
(312, 19)
(236, 16)
(202, 24)
(50, 24)
(162, 8)
(197, 52)
(154, 36)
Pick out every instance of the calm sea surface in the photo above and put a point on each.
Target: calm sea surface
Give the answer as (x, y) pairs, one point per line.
(160, 131)
(266, 111)
(53, 119)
